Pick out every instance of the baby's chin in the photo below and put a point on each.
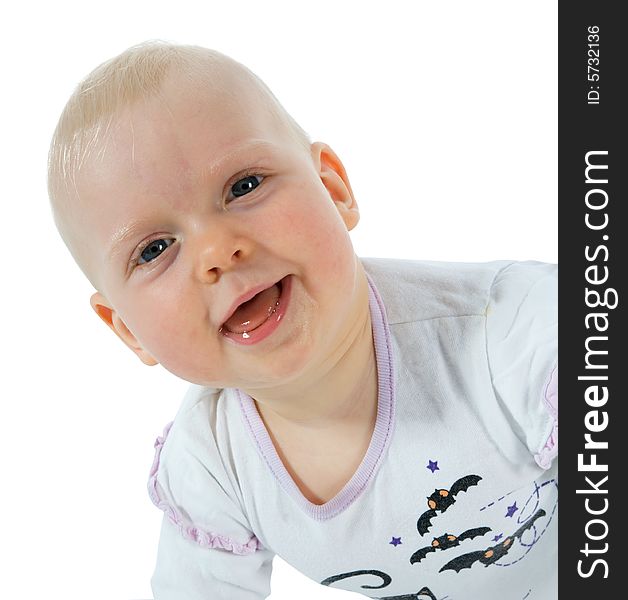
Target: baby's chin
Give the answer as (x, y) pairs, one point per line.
(280, 367)
(298, 363)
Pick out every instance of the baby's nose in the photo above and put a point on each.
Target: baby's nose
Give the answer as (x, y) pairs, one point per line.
(219, 253)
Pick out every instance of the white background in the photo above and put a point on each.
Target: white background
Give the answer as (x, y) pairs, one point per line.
(445, 115)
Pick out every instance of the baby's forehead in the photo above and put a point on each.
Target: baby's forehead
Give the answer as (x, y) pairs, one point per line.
(221, 113)
(182, 137)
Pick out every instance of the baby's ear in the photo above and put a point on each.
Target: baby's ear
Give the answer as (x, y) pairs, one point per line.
(335, 179)
(108, 314)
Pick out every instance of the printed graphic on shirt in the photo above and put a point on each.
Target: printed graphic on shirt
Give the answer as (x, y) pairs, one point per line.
(447, 541)
(527, 535)
(441, 500)
(432, 465)
(522, 506)
(493, 553)
(516, 506)
(386, 579)
(424, 592)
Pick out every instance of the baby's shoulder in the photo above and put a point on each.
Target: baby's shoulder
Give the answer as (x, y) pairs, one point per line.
(197, 412)
(413, 290)
(198, 442)
(192, 481)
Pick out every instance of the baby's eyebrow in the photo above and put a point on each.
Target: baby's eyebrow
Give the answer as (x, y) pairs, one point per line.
(255, 145)
(121, 236)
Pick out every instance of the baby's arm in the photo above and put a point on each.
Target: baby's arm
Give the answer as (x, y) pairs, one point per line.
(522, 344)
(207, 550)
(186, 570)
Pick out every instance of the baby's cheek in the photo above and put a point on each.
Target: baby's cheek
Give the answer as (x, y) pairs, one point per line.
(161, 322)
(188, 351)
(334, 250)
(319, 228)
(159, 337)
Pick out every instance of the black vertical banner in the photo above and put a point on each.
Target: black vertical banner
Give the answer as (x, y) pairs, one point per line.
(593, 248)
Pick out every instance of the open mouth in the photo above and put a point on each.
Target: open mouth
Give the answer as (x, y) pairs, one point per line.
(254, 312)
(260, 315)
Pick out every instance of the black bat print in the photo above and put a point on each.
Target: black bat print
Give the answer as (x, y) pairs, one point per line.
(493, 553)
(447, 541)
(441, 500)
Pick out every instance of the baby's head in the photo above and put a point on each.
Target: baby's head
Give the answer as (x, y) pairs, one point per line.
(183, 189)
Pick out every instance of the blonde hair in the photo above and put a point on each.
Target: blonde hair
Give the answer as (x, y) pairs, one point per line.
(135, 74)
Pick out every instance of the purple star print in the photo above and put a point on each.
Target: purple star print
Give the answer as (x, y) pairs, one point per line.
(512, 510)
(498, 537)
(395, 541)
(433, 466)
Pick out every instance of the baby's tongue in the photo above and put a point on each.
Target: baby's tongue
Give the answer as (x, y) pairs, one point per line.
(254, 312)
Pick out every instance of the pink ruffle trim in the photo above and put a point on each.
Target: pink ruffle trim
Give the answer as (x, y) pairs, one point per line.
(550, 398)
(189, 530)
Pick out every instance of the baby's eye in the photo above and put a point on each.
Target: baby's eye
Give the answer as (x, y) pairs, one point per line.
(245, 185)
(153, 250)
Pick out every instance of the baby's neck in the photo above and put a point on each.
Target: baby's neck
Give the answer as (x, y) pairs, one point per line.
(343, 396)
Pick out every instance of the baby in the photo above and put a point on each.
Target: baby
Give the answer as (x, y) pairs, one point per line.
(385, 426)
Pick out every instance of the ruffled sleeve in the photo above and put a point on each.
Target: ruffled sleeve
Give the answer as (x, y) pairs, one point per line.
(521, 333)
(206, 549)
